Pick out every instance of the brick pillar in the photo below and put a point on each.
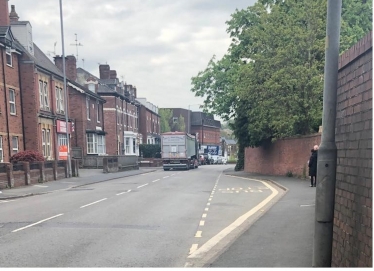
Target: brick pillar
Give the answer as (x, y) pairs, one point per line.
(74, 168)
(105, 165)
(55, 167)
(41, 172)
(9, 173)
(26, 170)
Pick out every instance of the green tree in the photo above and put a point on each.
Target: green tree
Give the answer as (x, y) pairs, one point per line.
(165, 116)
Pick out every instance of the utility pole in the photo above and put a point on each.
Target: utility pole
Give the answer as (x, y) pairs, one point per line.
(326, 164)
(66, 92)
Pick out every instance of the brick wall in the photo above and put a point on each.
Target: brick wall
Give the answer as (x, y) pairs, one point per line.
(289, 154)
(352, 238)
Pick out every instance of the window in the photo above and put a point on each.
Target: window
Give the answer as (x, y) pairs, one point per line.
(98, 111)
(62, 140)
(8, 52)
(43, 95)
(15, 144)
(48, 142)
(175, 120)
(88, 108)
(12, 101)
(127, 145)
(1, 150)
(96, 144)
(44, 145)
(60, 104)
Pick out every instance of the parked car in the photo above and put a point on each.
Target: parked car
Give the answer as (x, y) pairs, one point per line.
(224, 160)
(208, 159)
(202, 160)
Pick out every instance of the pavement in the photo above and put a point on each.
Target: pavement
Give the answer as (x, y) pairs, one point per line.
(282, 236)
(86, 177)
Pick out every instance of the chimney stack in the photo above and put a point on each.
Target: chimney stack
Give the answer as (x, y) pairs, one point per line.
(13, 16)
(104, 71)
(4, 13)
(112, 74)
(70, 64)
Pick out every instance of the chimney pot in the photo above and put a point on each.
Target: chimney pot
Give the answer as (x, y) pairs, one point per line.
(13, 16)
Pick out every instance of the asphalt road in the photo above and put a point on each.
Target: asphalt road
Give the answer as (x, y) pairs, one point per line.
(158, 219)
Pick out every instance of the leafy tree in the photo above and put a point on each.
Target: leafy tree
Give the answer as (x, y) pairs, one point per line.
(165, 116)
(181, 124)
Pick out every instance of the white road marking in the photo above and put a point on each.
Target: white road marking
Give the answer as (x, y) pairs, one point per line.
(142, 185)
(198, 234)
(237, 191)
(217, 238)
(172, 174)
(155, 181)
(93, 203)
(209, 199)
(206, 209)
(144, 174)
(67, 182)
(40, 185)
(245, 191)
(123, 192)
(4, 201)
(202, 222)
(166, 177)
(307, 205)
(41, 221)
(259, 190)
(208, 203)
(193, 248)
(204, 215)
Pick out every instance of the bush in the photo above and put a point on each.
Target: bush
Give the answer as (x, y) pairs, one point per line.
(27, 156)
(150, 151)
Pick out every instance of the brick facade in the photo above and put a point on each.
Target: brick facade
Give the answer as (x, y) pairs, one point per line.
(352, 238)
(149, 125)
(10, 114)
(284, 155)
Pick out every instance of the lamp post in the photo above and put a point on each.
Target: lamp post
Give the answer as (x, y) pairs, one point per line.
(66, 93)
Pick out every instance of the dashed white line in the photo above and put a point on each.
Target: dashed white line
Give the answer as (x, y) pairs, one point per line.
(93, 203)
(202, 222)
(37, 185)
(142, 185)
(166, 177)
(193, 248)
(307, 205)
(155, 181)
(204, 215)
(206, 209)
(41, 221)
(198, 234)
(208, 203)
(123, 192)
(4, 201)
(210, 199)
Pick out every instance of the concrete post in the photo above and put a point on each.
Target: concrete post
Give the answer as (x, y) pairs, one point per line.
(105, 165)
(9, 173)
(55, 168)
(66, 168)
(41, 172)
(26, 170)
(326, 164)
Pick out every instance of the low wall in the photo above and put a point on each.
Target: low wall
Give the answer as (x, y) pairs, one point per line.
(97, 161)
(284, 155)
(150, 162)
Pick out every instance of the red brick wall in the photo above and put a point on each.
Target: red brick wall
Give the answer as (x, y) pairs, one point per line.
(14, 121)
(77, 104)
(111, 127)
(212, 135)
(289, 154)
(352, 238)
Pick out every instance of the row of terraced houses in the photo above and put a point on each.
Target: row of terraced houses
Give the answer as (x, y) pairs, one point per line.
(105, 116)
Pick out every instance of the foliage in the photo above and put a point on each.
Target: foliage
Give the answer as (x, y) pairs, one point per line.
(289, 173)
(165, 116)
(27, 156)
(271, 79)
(150, 151)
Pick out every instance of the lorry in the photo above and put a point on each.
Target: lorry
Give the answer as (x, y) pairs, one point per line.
(179, 150)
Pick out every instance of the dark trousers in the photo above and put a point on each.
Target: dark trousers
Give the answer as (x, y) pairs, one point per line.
(313, 180)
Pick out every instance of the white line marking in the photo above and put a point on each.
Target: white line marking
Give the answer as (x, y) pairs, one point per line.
(67, 182)
(166, 177)
(206, 209)
(172, 174)
(209, 199)
(216, 239)
(142, 185)
(40, 185)
(208, 203)
(202, 222)
(193, 248)
(41, 221)
(123, 192)
(93, 203)
(4, 201)
(307, 205)
(155, 181)
(198, 234)
(259, 190)
(144, 174)
(204, 215)
(237, 191)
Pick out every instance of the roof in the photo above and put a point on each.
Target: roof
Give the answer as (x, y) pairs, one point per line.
(44, 62)
(201, 118)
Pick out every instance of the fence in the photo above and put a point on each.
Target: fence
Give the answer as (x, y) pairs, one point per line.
(25, 173)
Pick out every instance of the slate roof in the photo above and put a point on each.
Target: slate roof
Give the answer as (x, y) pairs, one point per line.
(44, 62)
(198, 117)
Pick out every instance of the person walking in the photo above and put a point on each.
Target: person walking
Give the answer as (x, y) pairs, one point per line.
(313, 166)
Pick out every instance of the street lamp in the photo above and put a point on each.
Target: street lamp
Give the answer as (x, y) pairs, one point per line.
(66, 93)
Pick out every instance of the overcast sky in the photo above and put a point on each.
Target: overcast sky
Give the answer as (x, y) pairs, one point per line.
(156, 45)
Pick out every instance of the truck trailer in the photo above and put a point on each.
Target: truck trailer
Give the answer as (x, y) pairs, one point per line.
(179, 150)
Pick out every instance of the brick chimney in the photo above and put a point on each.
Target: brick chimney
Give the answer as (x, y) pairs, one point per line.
(112, 74)
(4, 13)
(71, 66)
(13, 16)
(104, 71)
(134, 91)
